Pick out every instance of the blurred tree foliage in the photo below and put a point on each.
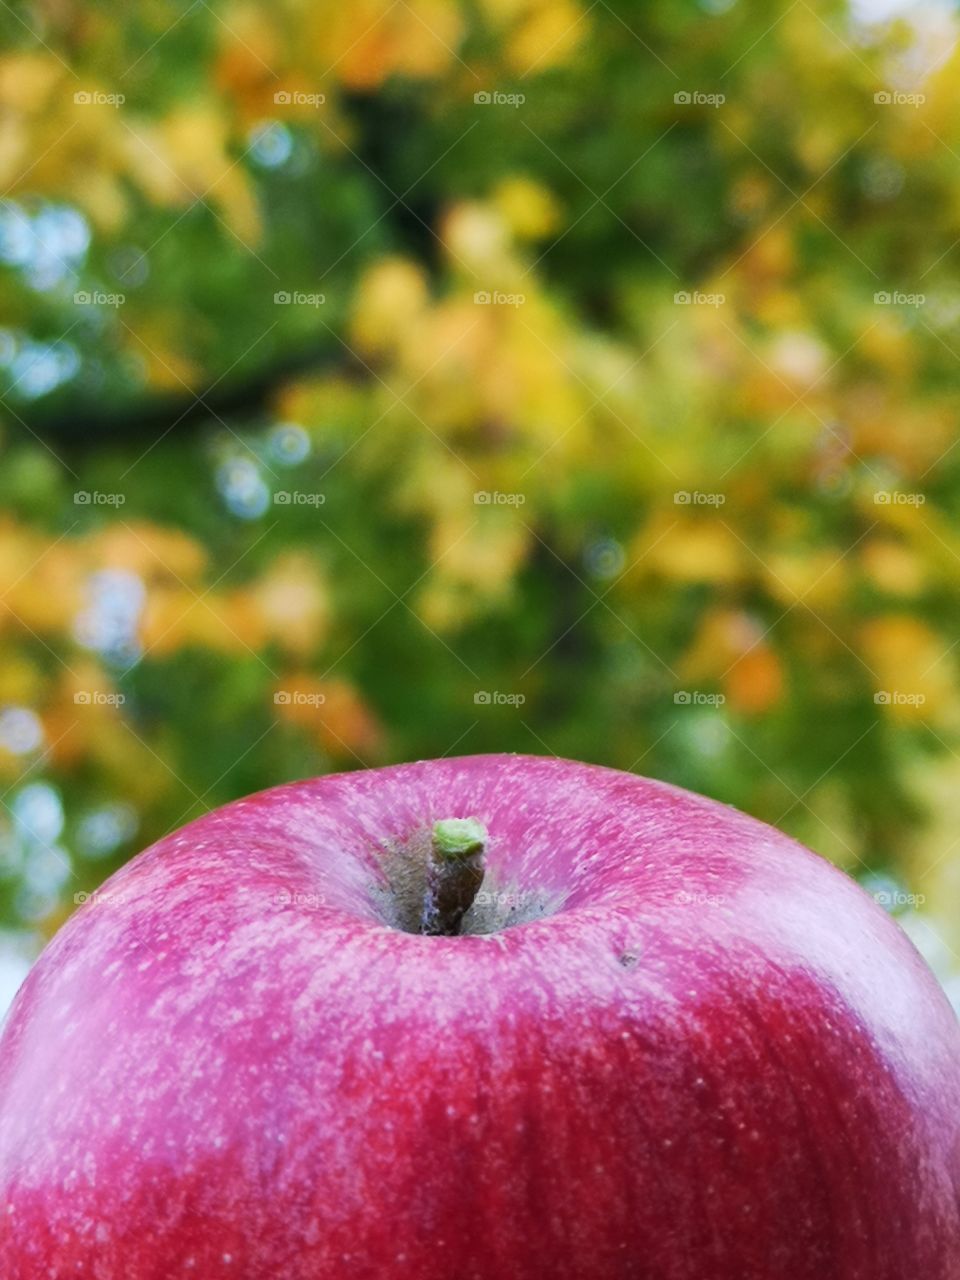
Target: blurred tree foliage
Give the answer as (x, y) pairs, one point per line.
(387, 380)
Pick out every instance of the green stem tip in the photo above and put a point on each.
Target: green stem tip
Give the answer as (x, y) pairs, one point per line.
(454, 874)
(458, 837)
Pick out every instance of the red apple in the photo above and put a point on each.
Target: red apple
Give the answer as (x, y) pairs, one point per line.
(688, 1050)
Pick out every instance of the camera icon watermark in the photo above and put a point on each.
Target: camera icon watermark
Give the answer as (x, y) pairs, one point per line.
(512, 900)
(95, 98)
(697, 498)
(297, 298)
(696, 98)
(98, 698)
(496, 298)
(694, 298)
(101, 898)
(697, 698)
(894, 98)
(893, 899)
(494, 98)
(294, 98)
(898, 698)
(94, 498)
(898, 498)
(701, 898)
(495, 498)
(97, 298)
(494, 698)
(304, 899)
(298, 698)
(297, 498)
(896, 298)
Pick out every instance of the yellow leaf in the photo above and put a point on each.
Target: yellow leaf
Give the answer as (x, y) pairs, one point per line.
(689, 550)
(390, 298)
(527, 207)
(292, 603)
(27, 81)
(912, 668)
(893, 567)
(152, 551)
(333, 710)
(476, 235)
(548, 36)
(755, 682)
(369, 40)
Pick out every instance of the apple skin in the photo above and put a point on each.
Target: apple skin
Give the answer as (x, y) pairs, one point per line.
(717, 1060)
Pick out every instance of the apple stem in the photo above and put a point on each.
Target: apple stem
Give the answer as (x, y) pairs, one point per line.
(454, 874)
